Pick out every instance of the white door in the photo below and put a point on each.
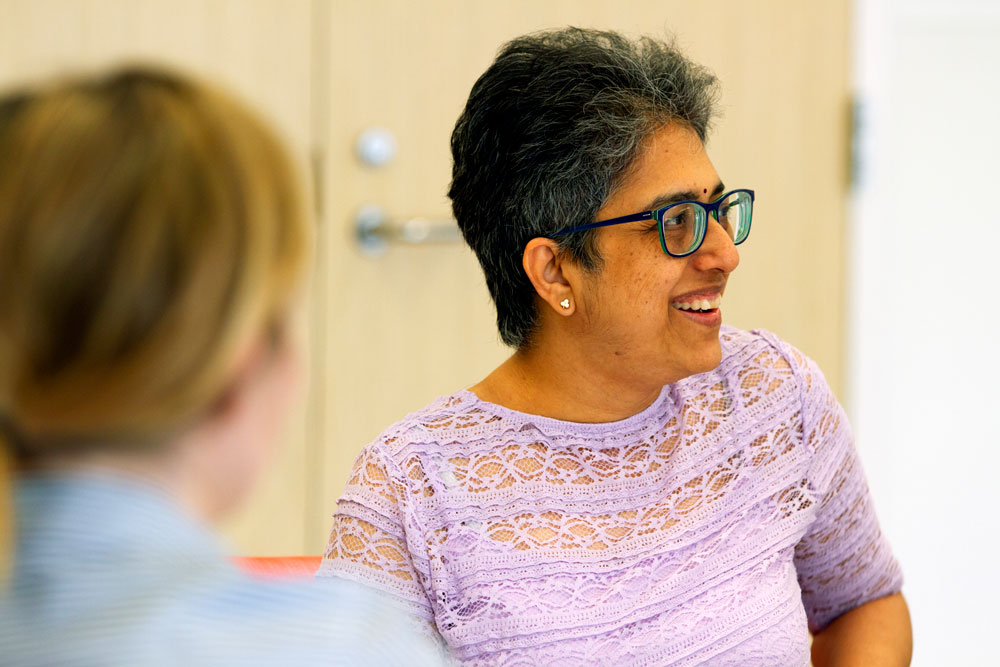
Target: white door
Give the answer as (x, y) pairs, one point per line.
(924, 315)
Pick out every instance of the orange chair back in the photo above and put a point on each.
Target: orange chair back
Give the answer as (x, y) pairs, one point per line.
(279, 567)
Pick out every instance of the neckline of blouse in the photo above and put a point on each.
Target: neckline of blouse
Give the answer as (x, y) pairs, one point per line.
(550, 424)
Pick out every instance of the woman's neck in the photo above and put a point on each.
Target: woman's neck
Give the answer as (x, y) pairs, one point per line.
(153, 468)
(165, 468)
(565, 386)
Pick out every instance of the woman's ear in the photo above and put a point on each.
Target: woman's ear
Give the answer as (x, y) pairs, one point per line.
(551, 274)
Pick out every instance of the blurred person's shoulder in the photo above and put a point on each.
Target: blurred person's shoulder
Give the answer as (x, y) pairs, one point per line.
(237, 622)
(326, 620)
(111, 572)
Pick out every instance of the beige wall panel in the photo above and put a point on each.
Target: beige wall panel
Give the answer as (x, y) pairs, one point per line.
(260, 49)
(418, 322)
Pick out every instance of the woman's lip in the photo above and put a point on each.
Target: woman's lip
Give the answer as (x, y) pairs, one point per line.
(708, 318)
(707, 295)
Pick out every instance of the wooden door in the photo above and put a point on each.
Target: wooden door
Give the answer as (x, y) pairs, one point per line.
(417, 322)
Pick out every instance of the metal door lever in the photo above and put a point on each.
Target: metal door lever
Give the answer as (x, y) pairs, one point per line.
(374, 231)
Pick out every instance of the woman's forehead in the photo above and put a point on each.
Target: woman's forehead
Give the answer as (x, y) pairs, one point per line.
(672, 165)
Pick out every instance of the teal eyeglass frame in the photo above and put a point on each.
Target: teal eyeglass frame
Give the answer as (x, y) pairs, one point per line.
(701, 221)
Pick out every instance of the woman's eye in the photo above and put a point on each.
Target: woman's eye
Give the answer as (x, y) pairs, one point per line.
(677, 220)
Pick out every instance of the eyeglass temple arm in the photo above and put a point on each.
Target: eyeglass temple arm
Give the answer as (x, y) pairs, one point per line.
(635, 217)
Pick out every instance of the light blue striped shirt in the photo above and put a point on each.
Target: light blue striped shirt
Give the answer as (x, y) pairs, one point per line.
(111, 572)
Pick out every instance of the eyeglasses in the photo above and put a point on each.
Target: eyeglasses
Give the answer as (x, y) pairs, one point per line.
(683, 225)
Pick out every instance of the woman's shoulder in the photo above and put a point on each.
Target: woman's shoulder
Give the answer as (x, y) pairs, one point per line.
(451, 419)
(759, 346)
(760, 358)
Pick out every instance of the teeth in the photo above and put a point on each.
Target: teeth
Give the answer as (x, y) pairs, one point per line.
(698, 304)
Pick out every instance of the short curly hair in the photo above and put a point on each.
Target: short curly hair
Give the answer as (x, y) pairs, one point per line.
(547, 134)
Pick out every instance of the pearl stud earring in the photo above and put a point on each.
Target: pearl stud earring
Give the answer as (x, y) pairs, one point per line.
(564, 303)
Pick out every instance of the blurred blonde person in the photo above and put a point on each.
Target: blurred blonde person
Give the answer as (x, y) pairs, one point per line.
(152, 242)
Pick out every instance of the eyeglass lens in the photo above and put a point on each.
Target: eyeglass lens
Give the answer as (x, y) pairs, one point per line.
(683, 225)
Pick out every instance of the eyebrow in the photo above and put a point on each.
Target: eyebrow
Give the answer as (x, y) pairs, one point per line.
(687, 195)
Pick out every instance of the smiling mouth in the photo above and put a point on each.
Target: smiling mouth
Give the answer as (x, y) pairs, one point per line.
(699, 305)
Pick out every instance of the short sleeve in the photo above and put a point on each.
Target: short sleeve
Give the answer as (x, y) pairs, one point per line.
(843, 561)
(375, 539)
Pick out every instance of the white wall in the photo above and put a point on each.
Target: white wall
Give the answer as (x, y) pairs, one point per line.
(923, 308)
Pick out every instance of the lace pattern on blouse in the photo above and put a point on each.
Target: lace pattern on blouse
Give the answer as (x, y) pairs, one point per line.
(732, 509)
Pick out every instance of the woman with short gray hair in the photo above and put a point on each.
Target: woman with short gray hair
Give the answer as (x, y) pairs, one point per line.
(637, 483)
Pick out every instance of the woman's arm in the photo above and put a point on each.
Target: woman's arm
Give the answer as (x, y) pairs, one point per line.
(874, 634)
(371, 533)
(849, 578)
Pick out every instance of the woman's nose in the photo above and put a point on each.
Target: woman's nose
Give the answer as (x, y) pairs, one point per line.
(717, 252)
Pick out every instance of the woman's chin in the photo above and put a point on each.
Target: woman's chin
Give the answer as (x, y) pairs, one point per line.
(707, 361)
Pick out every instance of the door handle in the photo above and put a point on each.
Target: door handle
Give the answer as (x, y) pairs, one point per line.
(375, 231)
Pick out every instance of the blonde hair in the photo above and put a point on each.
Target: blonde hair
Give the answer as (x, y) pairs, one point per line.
(151, 228)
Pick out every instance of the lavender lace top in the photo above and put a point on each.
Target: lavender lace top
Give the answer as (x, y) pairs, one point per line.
(720, 524)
